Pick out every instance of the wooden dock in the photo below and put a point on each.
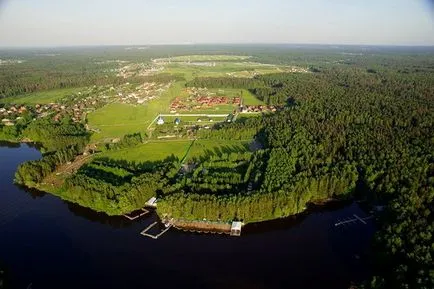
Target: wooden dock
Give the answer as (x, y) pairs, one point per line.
(139, 214)
(353, 220)
(146, 234)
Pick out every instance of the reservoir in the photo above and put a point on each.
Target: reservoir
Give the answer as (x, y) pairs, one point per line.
(50, 243)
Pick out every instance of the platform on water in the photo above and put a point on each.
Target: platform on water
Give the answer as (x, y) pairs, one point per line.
(353, 220)
(136, 214)
(155, 236)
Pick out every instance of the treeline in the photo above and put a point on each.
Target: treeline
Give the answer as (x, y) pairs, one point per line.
(56, 135)
(104, 189)
(243, 129)
(225, 82)
(50, 134)
(128, 140)
(33, 172)
(273, 89)
(62, 140)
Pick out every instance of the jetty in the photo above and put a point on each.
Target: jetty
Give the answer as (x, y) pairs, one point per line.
(136, 214)
(232, 229)
(353, 220)
(156, 236)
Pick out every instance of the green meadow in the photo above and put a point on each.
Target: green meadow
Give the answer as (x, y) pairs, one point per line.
(117, 119)
(151, 151)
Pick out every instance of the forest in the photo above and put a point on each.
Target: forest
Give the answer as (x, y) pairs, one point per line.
(353, 127)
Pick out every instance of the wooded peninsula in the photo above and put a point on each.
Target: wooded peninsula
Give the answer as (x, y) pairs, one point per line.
(246, 133)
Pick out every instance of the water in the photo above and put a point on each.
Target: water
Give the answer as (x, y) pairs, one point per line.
(54, 244)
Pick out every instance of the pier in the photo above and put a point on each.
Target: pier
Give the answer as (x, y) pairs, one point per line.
(136, 214)
(353, 220)
(146, 230)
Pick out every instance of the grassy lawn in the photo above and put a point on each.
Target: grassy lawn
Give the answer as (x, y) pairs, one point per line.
(151, 151)
(116, 119)
(161, 149)
(202, 148)
(41, 97)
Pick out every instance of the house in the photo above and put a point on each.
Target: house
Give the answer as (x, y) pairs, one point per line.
(177, 121)
(236, 228)
(160, 120)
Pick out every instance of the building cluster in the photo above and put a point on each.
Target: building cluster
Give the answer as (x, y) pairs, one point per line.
(142, 93)
(297, 69)
(138, 69)
(10, 61)
(200, 98)
(11, 113)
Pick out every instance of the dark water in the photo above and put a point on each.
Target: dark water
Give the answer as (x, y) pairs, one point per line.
(54, 244)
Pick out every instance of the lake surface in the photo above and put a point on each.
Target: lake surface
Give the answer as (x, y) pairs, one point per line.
(54, 244)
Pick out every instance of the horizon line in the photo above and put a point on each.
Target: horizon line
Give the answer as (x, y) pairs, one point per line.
(208, 43)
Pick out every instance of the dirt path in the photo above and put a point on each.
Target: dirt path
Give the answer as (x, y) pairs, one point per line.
(57, 177)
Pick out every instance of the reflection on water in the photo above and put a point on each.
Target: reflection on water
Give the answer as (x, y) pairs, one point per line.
(32, 192)
(293, 221)
(56, 244)
(102, 218)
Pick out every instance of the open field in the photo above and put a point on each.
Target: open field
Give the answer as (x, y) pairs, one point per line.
(203, 148)
(151, 151)
(161, 149)
(42, 97)
(206, 57)
(221, 69)
(116, 119)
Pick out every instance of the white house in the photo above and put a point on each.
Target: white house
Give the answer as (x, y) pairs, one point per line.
(160, 120)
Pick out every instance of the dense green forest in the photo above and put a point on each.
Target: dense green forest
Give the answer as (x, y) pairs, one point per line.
(356, 126)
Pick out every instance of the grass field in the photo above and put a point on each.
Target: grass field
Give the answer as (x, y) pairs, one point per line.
(151, 151)
(208, 58)
(41, 97)
(202, 148)
(161, 149)
(116, 119)
(221, 69)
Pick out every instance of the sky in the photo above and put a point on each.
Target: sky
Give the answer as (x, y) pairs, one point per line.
(145, 22)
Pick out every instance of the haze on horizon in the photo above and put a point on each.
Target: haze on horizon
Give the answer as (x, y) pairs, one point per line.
(136, 22)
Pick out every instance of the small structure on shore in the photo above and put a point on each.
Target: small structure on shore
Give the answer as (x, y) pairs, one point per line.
(236, 228)
(152, 202)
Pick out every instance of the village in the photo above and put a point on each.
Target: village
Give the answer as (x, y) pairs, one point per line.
(138, 69)
(140, 94)
(78, 105)
(201, 98)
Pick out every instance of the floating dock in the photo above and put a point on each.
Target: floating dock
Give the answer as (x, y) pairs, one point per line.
(353, 220)
(136, 214)
(156, 236)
